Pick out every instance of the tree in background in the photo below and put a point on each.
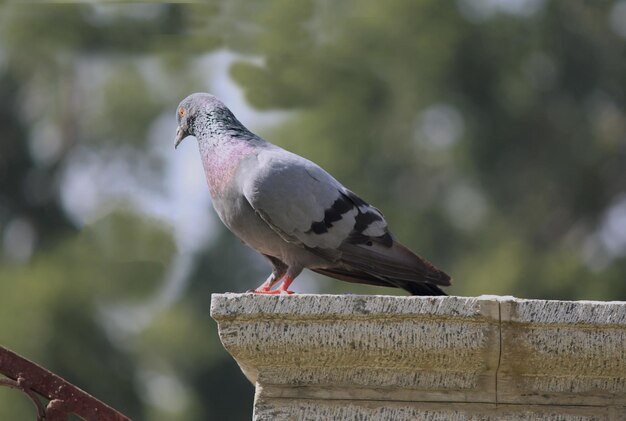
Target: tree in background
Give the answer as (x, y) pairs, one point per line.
(492, 135)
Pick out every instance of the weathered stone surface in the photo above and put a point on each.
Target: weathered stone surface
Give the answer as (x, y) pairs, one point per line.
(298, 410)
(384, 357)
(563, 352)
(349, 347)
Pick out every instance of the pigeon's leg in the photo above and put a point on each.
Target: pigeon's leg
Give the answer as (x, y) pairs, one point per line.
(266, 286)
(287, 279)
(278, 271)
(283, 288)
(292, 273)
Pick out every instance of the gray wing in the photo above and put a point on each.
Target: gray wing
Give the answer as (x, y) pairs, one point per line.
(306, 205)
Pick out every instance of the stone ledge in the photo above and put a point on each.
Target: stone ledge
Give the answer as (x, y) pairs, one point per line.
(326, 350)
(313, 410)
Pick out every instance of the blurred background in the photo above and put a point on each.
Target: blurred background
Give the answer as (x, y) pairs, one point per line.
(491, 133)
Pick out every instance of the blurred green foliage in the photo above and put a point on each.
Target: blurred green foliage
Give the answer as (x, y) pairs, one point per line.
(492, 135)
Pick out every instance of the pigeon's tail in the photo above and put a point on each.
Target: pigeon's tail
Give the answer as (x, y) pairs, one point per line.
(359, 277)
(394, 266)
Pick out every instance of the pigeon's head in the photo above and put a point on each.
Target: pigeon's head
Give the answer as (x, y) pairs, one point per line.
(201, 115)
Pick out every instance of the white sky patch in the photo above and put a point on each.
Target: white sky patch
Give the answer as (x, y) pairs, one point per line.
(608, 242)
(617, 18)
(164, 391)
(18, 239)
(123, 320)
(594, 254)
(439, 127)
(103, 14)
(481, 10)
(465, 206)
(45, 144)
(188, 205)
(613, 229)
(222, 86)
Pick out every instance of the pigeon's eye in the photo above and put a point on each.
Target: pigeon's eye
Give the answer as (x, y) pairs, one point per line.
(181, 112)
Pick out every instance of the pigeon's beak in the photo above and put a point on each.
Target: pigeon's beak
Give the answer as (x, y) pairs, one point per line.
(180, 135)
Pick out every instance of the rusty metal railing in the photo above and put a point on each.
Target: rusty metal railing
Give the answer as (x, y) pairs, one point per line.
(63, 398)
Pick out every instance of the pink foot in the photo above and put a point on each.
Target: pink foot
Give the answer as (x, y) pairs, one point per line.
(265, 288)
(272, 291)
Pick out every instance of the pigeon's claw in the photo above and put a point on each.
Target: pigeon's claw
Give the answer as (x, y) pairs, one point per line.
(265, 288)
(273, 292)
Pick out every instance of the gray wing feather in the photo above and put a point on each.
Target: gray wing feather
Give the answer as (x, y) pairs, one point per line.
(291, 194)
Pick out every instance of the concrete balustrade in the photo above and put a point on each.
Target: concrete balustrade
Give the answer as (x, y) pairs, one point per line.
(430, 358)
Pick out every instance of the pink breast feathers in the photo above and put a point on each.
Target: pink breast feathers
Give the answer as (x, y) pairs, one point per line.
(220, 166)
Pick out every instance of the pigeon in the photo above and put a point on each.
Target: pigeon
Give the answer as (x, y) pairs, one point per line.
(293, 212)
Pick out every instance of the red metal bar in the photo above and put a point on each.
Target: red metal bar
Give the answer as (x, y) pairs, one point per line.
(64, 398)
